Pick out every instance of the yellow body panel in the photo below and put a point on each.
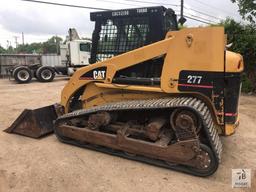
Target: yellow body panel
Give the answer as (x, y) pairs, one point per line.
(99, 93)
(231, 128)
(193, 49)
(114, 64)
(199, 49)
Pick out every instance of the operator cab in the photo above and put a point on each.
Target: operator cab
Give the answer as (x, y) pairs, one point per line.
(120, 31)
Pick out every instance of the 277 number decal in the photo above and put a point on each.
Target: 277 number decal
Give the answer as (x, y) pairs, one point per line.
(193, 79)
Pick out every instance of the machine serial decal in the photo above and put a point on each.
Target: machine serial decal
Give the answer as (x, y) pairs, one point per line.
(194, 79)
(143, 10)
(191, 80)
(120, 13)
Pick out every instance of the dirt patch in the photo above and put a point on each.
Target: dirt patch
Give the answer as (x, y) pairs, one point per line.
(47, 165)
(3, 180)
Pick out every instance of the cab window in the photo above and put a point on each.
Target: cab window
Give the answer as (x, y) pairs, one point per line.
(85, 47)
(170, 23)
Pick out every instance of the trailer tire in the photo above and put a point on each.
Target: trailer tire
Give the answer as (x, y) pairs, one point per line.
(22, 74)
(34, 72)
(45, 74)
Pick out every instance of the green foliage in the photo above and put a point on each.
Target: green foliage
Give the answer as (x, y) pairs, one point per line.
(49, 46)
(181, 26)
(52, 45)
(247, 85)
(10, 49)
(30, 48)
(243, 39)
(2, 50)
(247, 9)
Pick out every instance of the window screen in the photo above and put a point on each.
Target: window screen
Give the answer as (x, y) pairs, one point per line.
(122, 35)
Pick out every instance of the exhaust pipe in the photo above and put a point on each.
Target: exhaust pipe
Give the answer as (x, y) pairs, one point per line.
(35, 123)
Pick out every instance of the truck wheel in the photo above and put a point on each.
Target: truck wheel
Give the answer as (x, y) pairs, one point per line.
(45, 74)
(22, 74)
(34, 72)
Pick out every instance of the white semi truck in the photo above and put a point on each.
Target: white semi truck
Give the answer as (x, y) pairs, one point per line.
(74, 53)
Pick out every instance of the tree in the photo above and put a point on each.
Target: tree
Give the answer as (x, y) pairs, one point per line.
(2, 50)
(30, 48)
(10, 50)
(49, 46)
(247, 9)
(243, 37)
(52, 45)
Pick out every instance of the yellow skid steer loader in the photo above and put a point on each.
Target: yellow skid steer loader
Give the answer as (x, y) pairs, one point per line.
(153, 93)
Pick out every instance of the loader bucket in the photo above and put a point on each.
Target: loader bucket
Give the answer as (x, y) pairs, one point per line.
(34, 123)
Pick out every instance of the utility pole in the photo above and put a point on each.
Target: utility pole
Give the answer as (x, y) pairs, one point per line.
(16, 41)
(57, 46)
(181, 7)
(8, 44)
(182, 19)
(22, 34)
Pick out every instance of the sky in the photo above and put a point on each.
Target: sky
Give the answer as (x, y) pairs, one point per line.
(39, 22)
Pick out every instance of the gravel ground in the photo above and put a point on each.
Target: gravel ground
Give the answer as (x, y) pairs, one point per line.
(47, 165)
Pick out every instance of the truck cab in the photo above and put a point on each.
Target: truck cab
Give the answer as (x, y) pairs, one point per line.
(74, 54)
(79, 52)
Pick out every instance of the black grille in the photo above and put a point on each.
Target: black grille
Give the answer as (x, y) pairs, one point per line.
(120, 31)
(121, 35)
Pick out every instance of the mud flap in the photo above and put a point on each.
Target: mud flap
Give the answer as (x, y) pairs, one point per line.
(34, 123)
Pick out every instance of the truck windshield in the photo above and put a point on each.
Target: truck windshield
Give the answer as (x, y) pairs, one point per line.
(86, 47)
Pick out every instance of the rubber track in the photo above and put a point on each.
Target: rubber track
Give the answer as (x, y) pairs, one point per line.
(194, 104)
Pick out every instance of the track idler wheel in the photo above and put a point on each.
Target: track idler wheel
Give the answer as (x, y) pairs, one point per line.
(207, 165)
(185, 124)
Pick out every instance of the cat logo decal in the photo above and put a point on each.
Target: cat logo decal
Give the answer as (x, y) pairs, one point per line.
(99, 74)
(95, 74)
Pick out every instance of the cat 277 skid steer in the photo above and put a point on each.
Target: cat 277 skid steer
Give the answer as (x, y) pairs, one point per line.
(160, 100)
